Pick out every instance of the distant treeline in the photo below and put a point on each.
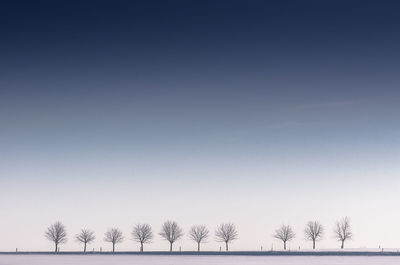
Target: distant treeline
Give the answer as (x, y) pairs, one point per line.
(172, 232)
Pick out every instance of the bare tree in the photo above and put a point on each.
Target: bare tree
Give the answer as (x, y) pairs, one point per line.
(57, 234)
(199, 234)
(226, 232)
(343, 231)
(86, 237)
(114, 236)
(143, 234)
(171, 232)
(284, 233)
(314, 231)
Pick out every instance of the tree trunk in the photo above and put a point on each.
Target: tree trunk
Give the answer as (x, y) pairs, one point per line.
(84, 248)
(226, 246)
(198, 246)
(56, 249)
(113, 247)
(342, 244)
(170, 246)
(284, 245)
(141, 247)
(313, 244)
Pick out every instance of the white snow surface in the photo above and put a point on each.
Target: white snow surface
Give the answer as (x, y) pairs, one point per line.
(194, 260)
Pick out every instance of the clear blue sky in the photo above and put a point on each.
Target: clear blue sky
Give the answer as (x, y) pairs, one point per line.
(258, 113)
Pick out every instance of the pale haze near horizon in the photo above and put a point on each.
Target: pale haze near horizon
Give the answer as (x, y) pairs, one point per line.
(258, 191)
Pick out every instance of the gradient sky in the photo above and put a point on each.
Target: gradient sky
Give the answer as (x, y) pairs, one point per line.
(253, 112)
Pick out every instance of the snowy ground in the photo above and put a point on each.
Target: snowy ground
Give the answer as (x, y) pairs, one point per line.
(192, 260)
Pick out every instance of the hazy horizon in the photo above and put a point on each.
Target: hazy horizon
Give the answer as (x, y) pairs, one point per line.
(259, 113)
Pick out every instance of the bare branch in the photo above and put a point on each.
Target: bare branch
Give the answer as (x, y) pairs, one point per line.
(342, 230)
(314, 231)
(57, 234)
(171, 232)
(226, 232)
(199, 234)
(142, 233)
(284, 233)
(114, 236)
(86, 237)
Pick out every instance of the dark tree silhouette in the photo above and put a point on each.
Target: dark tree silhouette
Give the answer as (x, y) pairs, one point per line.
(171, 232)
(114, 236)
(314, 231)
(57, 234)
(342, 230)
(199, 234)
(143, 234)
(284, 233)
(86, 237)
(226, 233)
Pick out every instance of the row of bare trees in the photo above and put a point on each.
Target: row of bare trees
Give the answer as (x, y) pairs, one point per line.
(171, 232)
(143, 234)
(314, 231)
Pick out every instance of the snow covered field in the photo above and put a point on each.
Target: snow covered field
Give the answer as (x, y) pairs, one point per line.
(192, 260)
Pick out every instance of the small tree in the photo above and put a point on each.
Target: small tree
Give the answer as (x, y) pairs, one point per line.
(284, 233)
(57, 234)
(343, 231)
(314, 231)
(199, 234)
(171, 232)
(86, 237)
(143, 234)
(114, 236)
(226, 233)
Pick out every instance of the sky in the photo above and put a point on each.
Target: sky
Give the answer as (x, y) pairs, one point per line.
(259, 113)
